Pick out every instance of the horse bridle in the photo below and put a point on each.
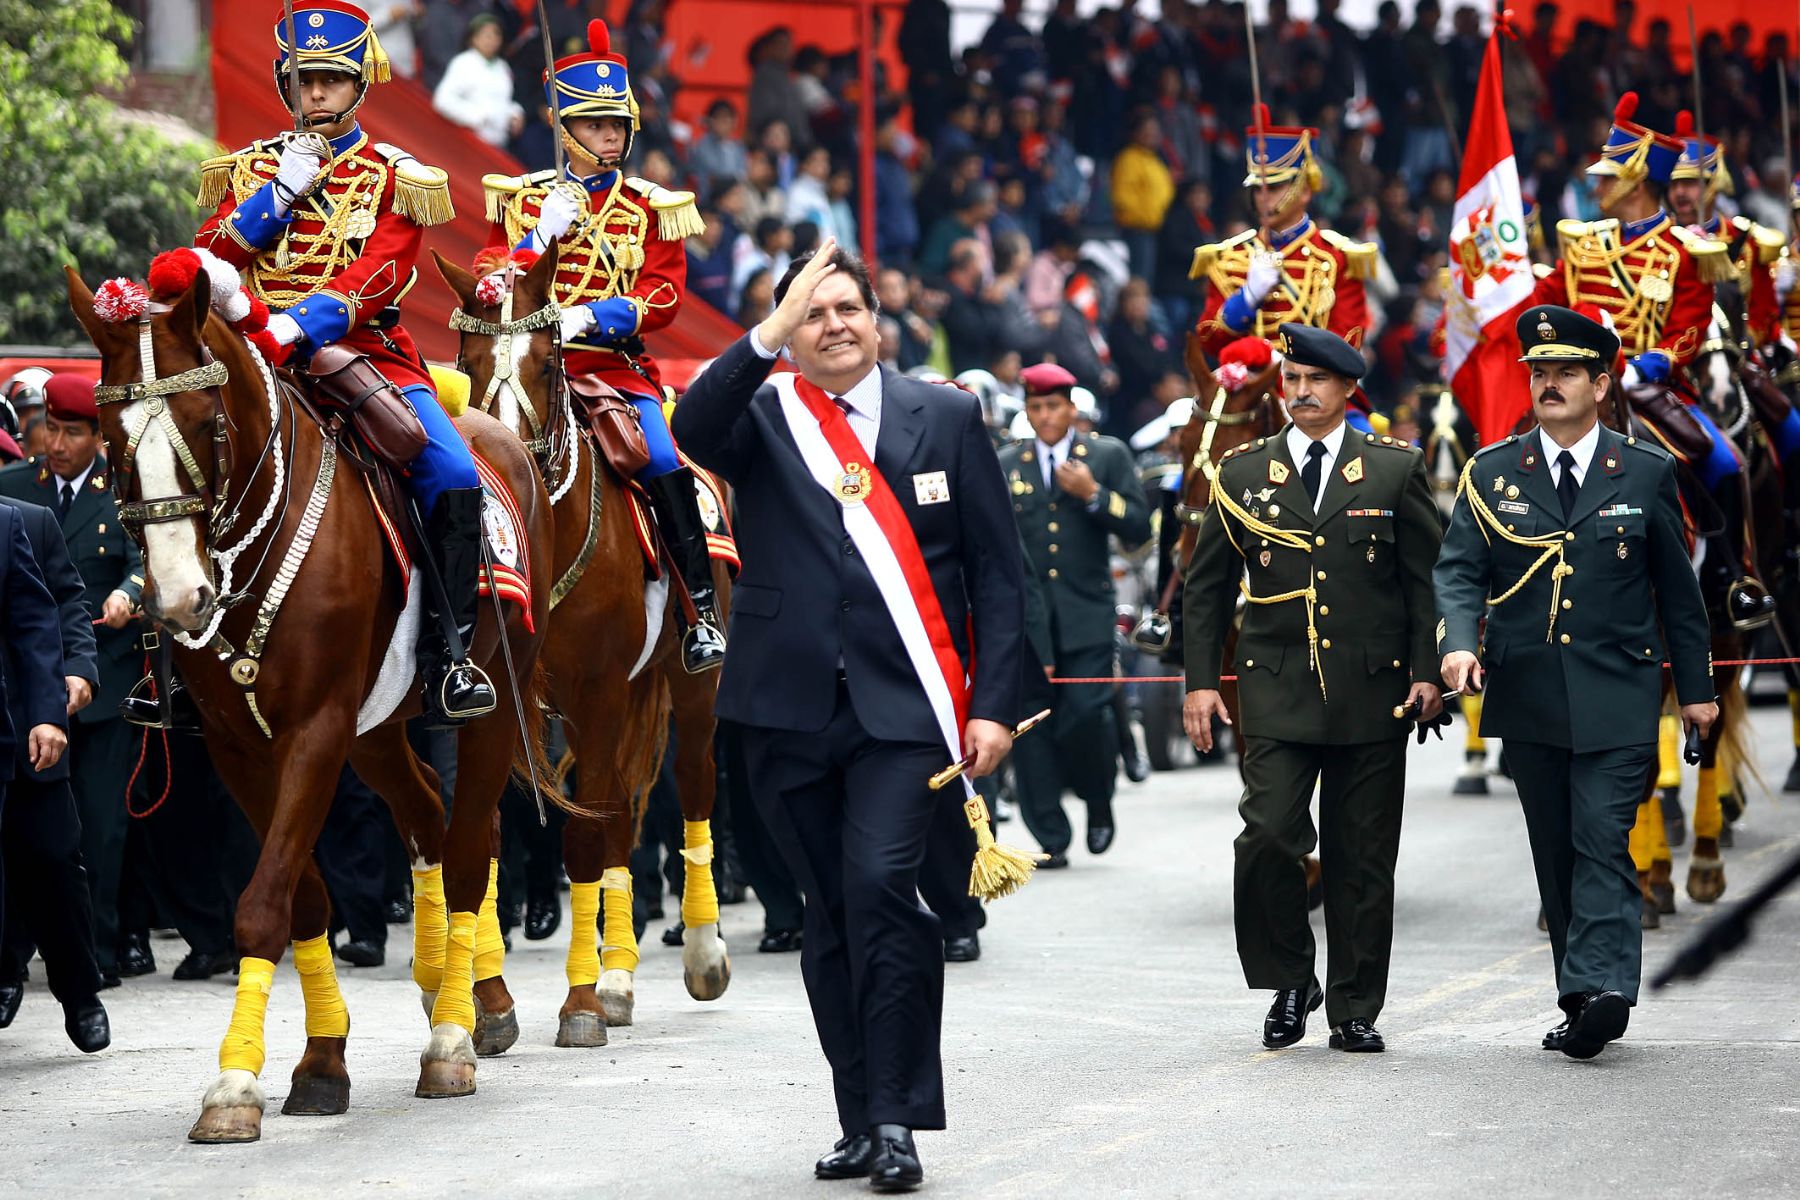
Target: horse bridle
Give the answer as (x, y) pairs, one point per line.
(506, 369)
(1214, 417)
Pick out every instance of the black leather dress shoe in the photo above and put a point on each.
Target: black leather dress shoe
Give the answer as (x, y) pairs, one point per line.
(396, 912)
(203, 965)
(1554, 1039)
(849, 1159)
(1357, 1036)
(672, 935)
(895, 1167)
(88, 1027)
(543, 917)
(779, 941)
(134, 955)
(363, 953)
(1286, 1022)
(1057, 860)
(962, 949)
(1601, 1020)
(109, 980)
(11, 996)
(1100, 837)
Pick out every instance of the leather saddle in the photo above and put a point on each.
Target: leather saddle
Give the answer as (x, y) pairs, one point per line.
(613, 422)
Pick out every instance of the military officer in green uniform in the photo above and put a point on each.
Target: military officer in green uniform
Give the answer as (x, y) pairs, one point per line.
(1568, 541)
(71, 479)
(1071, 491)
(1330, 535)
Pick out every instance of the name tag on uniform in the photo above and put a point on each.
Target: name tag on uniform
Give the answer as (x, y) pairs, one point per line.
(1515, 508)
(932, 487)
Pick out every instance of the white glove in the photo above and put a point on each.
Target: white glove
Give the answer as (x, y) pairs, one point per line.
(576, 321)
(284, 329)
(558, 212)
(1629, 379)
(1261, 278)
(296, 176)
(1785, 277)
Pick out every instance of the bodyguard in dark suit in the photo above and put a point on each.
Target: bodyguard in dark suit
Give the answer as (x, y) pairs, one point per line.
(71, 479)
(840, 731)
(40, 834)
(1072, 493)
(1572, 657)
(1330, 534)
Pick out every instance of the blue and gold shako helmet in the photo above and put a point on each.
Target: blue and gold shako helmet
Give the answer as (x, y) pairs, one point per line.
(1278, 154)
(595, 84)
(1634, 153)
(333, 36)
(1701, 158)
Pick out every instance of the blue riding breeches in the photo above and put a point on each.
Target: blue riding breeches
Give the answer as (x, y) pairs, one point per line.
(1722, 462)
(657, 437)
(445, 463)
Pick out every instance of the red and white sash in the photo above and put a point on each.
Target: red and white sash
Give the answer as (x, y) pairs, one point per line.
(877, 525)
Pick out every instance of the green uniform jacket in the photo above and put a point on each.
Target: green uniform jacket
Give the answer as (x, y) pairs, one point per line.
(1368, 551)
(109, 561)
(1066, 541)
(1602, 657)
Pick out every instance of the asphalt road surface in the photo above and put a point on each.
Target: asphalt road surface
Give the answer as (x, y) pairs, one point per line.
(1104, 1045)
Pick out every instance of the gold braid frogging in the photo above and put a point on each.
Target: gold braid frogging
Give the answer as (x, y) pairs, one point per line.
(1551, 545)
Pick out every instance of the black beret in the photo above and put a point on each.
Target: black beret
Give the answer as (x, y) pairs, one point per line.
(1548, 333)
(1305, 346)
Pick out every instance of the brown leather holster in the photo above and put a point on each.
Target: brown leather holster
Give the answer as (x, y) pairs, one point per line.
(348, 384)
(1661, 407)
(1770, 402)
(613, 420)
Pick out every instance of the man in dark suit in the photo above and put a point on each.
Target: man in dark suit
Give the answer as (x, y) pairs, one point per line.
(71, 479)
(880, 564)
(40, 834)
(1569, 540)
(34, 716)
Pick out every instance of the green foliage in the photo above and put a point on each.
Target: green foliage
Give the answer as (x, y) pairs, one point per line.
(81, 185)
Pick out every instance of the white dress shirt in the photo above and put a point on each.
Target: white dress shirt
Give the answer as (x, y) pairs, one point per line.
(1298, 443)
(1054, 456)
(74, 483)
(1582, 452)
(863, 400)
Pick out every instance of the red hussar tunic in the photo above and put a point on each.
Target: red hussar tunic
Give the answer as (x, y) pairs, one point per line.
(343, 260)
(1322, 285)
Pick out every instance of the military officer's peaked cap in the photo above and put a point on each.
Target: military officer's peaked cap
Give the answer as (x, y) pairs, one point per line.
(1042, 379)
(70, 397)
(1305, 346)
(1548, 333)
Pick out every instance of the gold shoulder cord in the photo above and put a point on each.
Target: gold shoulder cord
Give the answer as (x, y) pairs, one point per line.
(1293, 539)
(1551, 545)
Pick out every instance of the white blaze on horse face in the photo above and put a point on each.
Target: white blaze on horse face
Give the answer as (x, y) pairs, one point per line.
(519, 346)
(178, 584)
(1719, 381)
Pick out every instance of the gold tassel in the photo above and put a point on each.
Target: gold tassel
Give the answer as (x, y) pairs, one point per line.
(215, 180)
(1204, 258)
(424, 200)
(376, 68)
(998, 870)
(681, 220)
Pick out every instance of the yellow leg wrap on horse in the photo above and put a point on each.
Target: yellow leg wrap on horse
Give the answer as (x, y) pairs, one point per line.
(1709, 818)
(242, 1049)
(430, 928)
(1473, 742)
(1651, 811)
(456, 998)
(490, 949)
(618, 942)
(699, 898)
(583, 966)
(1642, 849)
(1668, 752)
(1794, 714)
(326, 1015)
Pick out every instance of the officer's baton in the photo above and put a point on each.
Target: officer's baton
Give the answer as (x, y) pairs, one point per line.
(957, 768)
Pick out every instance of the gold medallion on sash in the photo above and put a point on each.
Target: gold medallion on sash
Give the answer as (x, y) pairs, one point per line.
(853, 485)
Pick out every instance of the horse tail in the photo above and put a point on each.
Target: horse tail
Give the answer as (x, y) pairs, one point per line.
(643, 762)
(532, 757)
(1734, 718)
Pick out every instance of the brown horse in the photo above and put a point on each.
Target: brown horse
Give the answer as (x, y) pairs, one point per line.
(280, 593)
(613, 678)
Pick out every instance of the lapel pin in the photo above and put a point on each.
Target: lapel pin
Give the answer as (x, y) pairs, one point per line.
(1353, 471)
(1499, 484)
(1278, 473)
(1264, 558)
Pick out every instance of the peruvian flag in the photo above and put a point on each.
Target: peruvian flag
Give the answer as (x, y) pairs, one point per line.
(1490, 266)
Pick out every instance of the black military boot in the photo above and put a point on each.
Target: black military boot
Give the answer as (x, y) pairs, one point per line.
(678, 514)
(456, 690)
(143, 704)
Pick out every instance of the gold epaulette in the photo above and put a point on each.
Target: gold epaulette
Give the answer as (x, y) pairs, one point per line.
(1207, 257)
(1768, 242)
(498, 190)
(216, 172)
(1569, 231)
(421, 193)
(1360, 258)
(677, 217)
(1713, 258)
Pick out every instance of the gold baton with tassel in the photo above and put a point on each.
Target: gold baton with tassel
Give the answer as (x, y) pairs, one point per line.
(997, 870)
(950, 772)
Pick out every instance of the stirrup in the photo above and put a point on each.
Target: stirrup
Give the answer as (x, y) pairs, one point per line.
(1749, 604)
(1154, 632)
(142, 709)
(478, 697)
(703, 648)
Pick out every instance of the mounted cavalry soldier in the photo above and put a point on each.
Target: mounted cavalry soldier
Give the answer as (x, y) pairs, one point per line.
(323, 226)
(621, 273)
(1696, 182)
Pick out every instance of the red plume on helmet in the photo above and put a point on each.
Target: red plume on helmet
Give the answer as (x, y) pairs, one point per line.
(1627, 107)
(1684, 124)
(600, 42)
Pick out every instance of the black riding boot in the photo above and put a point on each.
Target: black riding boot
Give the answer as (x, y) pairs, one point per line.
(678, 513)
(456, 690)
(143, 704)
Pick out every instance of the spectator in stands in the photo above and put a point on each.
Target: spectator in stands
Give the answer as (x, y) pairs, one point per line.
(973, 319)
(476, 91)
(767, 248)
(393, 22)
(1048, 273)
(1187, 224)
(777, 141)
(1142, 190)
(757, 299)
(1062, 181)
(894, 290)
(773, 93)
(709, 262)
(840, 188)
(896, 220)
(969, 220)
(1142, 352)
(443, 32)
(1013, 48)
(719, 152)
(808, 198)
(763, 197)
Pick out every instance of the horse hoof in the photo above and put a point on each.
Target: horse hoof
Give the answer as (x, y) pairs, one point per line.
(1792, 782)
(495, 1033)
(1727, 838)
(317, 1096)
(1706, 880)
(1664, 894)
(616, 997)
(1648, 916)
(582, 1030)
(447, 1067)
(228, 1124)
(1470, 785)
(705, 963)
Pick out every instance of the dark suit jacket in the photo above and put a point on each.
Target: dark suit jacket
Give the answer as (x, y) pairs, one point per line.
(805, 598)
(64, 582)
(108, 561)
(33, 645)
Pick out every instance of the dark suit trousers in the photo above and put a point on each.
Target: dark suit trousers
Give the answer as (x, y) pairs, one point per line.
(764, 868)
(352, 857)
(852, 815)
(101, 754)
(1579, 809)
(944, 878)
(45, 889)
(1077, 749)
(1361, 790)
